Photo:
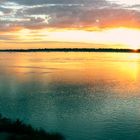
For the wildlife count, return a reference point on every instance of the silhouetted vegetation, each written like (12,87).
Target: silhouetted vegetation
(73,50)
(17,130)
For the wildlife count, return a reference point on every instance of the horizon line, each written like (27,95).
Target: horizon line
(127,50)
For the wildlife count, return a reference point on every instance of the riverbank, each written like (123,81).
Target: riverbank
(17,130)
(74,50)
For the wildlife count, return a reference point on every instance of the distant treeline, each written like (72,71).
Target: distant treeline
(72,50)
(17,130)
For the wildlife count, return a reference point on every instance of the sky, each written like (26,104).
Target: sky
(69,23)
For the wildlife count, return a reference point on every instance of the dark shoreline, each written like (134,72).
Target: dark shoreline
(17,130)
(73,50)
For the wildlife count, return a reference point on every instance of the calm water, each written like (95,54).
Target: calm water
(84,96)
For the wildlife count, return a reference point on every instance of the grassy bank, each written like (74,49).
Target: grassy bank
(17,130)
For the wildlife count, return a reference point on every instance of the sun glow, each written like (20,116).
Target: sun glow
(117,36)
(124,37)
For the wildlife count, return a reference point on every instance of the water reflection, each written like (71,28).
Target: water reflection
(82,95)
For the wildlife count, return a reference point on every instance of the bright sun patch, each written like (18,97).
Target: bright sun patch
(126,2)
(116,36)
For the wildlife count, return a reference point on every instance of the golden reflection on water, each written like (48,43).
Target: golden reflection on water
(120,71)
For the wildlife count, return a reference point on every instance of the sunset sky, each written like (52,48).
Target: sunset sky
(69,23)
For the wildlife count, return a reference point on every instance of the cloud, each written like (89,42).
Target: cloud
(125,2)
(16,14)
(7,38)
(42,2)
(101,18)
